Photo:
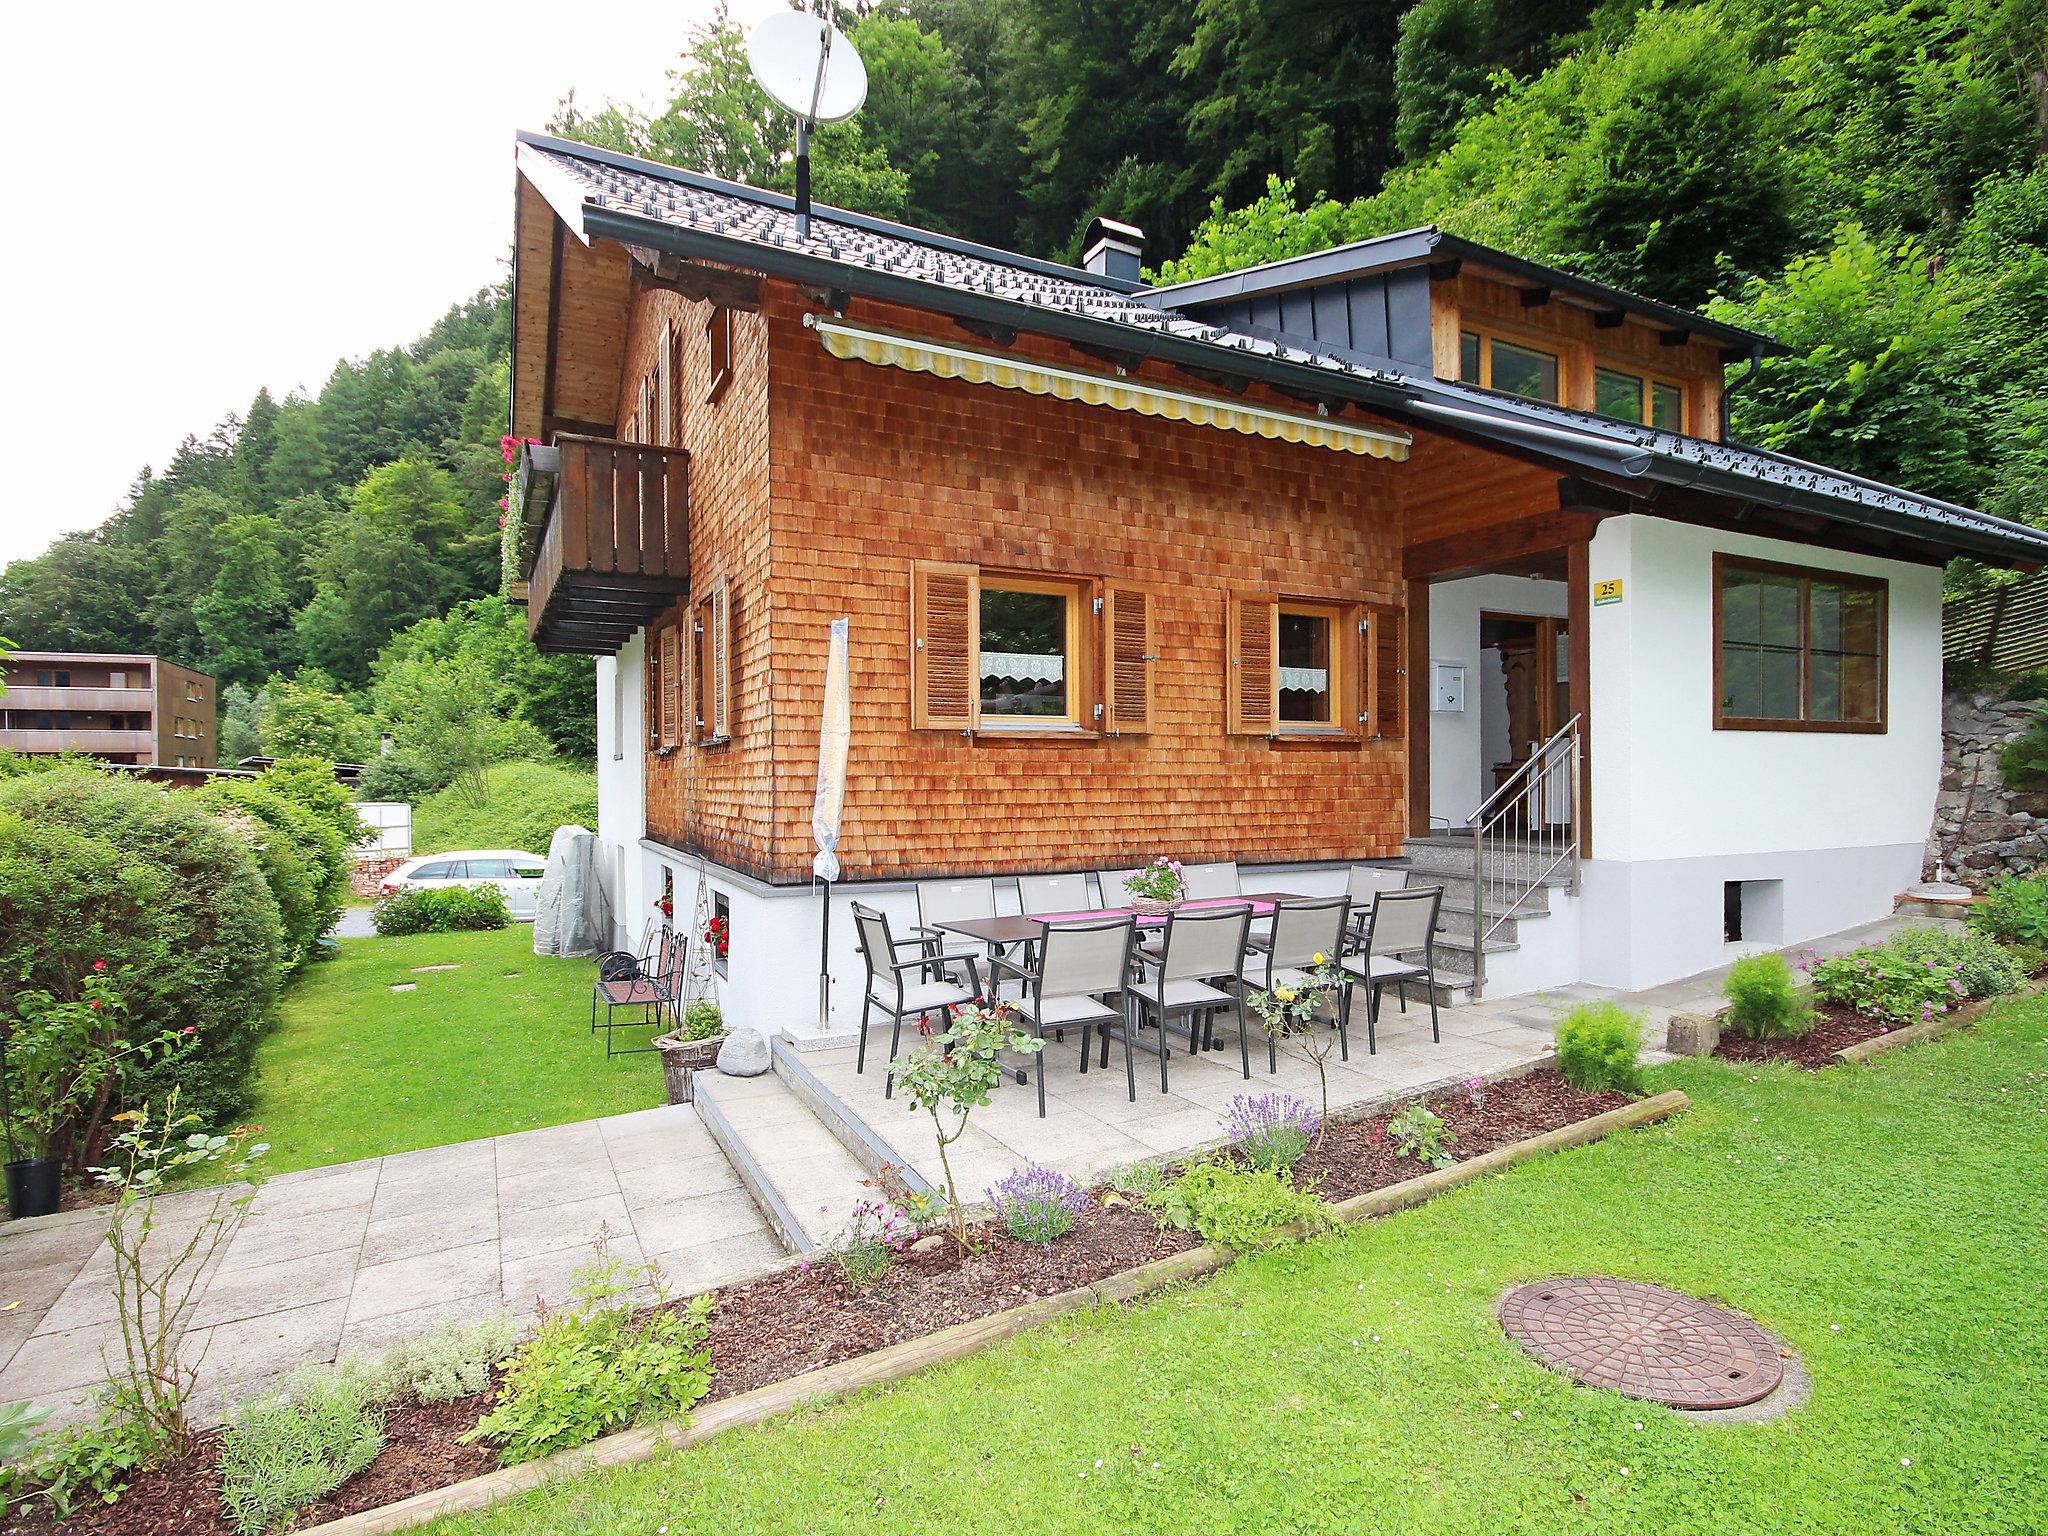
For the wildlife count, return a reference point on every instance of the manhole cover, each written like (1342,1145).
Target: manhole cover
(1644,1341)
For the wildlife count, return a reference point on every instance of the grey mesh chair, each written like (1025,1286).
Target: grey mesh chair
(1401,923)
(943,901)
(1207,882)
(898,997)
(1302,929)
(1364,882)
(1201,947)
(1053,894)
(1110,882)
(1079,964)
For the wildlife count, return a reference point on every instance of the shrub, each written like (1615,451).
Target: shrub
(453,1361)
(310,782)
(281,1452)
(442,909)
(1885,983)
(400,775)
(702,1021)
(600,1364)
(2014,910)
(98,868)
(1985,967)
(2023,761)
(1038,1205)
(1762,1001)
(1419,1132)
(1272,1130)
(1241,1208)
(68,1467)
(1597,1047)
(282,858)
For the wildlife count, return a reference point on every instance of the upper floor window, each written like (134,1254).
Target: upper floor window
(1634,397)
(1494,362)
(1797,650)
(718,338)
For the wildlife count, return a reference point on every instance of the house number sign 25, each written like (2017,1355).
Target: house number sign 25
(1605,592)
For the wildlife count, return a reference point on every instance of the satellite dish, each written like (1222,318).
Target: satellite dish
(803,65)
(806,67)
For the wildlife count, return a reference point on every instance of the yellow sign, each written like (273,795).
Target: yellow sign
(1606,592)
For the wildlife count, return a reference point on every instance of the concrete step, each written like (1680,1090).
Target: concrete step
(793,1164)
(1453,855)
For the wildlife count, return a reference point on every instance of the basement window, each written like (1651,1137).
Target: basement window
(1753,911)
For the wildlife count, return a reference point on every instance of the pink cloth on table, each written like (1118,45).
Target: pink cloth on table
(1259,909)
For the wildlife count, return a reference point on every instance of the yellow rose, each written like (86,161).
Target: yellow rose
(1319,957)
(1285,994)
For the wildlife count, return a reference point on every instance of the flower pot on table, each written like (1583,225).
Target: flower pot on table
(1153,906)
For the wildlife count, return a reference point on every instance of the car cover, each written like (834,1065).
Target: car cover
(573,915)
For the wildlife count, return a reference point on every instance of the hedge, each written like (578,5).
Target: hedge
(96,867)
(304,860)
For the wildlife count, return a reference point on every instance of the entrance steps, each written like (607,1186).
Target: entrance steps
(803,1156)
(1515,880)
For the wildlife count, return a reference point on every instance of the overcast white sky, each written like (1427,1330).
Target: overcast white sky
(207,197)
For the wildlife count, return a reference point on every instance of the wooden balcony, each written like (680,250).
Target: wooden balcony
(120,742)
(136,701)
(604,539)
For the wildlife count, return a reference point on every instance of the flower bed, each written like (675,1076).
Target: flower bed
(801,1317)
(1834,1026)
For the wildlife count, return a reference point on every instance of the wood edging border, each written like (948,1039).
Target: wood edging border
(1933,1029)
(897,1361)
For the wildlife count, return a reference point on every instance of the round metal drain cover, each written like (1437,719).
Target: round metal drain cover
(1644,1341)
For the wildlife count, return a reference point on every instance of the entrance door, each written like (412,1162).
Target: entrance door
(1524,690)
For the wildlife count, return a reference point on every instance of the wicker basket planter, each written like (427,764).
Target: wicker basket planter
(682,1059)
(1152,906)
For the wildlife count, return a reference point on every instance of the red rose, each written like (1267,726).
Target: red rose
(99,965)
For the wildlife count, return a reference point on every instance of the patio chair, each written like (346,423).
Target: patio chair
(629,964)
(1053,893)
(1302,929)
(898,998)
(1079,964)
(942,901)
(659,984)
(1111,883)
(1400,923)
(1364,882)
(1207,882)
(1201,946)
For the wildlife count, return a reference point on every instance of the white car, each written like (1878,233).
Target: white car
(515,873)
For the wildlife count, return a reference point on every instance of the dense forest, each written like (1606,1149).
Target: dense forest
(1864,179)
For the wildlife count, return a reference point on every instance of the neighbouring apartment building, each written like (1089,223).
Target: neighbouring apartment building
(142,710)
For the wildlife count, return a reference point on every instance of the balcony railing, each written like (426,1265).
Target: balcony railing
(126,701)
(13,740)
(604,539)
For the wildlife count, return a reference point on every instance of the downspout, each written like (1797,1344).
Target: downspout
(1743,381)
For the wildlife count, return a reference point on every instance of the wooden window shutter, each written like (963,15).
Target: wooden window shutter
(663,392)
(700,669)
(718,343)
(721,661)
(945,646)
(675,386)
(1386,672)
(1252,646)
(1127,659)
(670,734)
(657,641)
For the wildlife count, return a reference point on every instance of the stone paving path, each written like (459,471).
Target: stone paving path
(363,1254)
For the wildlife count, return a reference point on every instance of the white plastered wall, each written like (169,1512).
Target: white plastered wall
(1679,807)
(622,787)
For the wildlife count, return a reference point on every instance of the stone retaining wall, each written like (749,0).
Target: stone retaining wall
(1988,830)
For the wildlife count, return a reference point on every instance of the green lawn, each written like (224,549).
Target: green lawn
(1888,1222)
(502,1044)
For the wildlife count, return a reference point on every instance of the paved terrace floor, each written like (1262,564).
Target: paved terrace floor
(362,1254)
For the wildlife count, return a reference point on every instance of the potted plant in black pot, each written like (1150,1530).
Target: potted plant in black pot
(691,1047)
(60,1058)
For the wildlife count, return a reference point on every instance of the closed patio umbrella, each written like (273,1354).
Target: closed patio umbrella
(835,726)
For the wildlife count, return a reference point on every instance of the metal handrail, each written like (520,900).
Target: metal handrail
(1538,807)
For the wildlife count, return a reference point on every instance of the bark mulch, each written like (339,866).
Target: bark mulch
(1834,1026)
(800,1319)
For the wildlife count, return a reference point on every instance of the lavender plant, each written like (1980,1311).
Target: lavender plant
(1038,1205)
(1272,1130)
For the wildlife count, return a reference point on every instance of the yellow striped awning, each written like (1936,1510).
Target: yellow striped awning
(922,354)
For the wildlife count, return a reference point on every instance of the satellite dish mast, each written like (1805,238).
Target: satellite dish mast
(805,66)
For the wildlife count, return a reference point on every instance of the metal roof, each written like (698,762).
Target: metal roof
(602,194)
(1427,243)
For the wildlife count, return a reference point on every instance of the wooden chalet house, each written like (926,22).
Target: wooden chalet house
(1407,549)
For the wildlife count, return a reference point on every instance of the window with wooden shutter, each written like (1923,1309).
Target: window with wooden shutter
(1127,660)
(721,661)
(658,639)
(1252,666)
(718,338)
(662,417)
(1386,672)
(675,386)
(671,731)
(945,645)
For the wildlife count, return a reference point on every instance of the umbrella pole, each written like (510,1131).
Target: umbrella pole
(825,964)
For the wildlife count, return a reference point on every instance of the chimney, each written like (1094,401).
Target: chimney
(1113,249)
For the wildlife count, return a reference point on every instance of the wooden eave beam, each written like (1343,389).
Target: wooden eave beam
(1001,335)
(1542,534)
(1445,271)
(1673,338)
(1535,298)
(669,273)
(1116,357)
(1609,319)
(1235,385)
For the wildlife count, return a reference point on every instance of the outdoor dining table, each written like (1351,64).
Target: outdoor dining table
(1029,927)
